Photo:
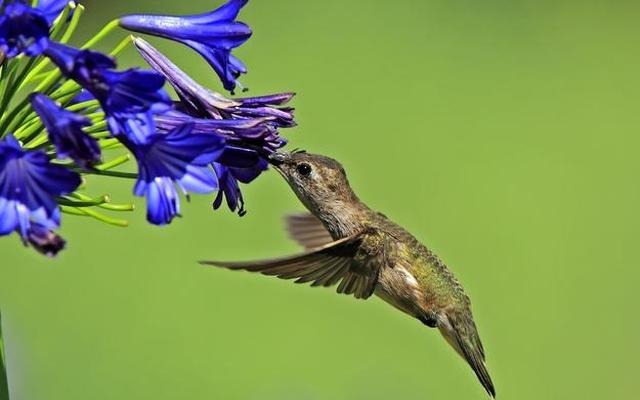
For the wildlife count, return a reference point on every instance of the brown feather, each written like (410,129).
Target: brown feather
(323,266)
(307,230)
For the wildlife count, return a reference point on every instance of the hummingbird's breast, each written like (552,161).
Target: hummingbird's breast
(398,287)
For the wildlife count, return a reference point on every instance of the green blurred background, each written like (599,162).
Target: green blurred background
(502,133)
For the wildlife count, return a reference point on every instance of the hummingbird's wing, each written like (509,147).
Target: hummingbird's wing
(307,230)
(339,261)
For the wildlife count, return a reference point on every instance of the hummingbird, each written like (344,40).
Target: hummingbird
(365,253)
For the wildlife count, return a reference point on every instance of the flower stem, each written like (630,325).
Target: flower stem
(4,386)
(102,34)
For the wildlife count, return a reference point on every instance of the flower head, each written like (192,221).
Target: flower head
(175,158)
(129,98)
(249,125)
(23,29)
(212,34)
(65,131)
(29,184)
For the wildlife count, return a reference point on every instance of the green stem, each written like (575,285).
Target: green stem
(102,34)
(4,385)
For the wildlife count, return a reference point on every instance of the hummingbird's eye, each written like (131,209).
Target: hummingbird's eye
(303,169)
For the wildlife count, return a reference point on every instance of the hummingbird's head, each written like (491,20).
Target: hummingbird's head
(319,182)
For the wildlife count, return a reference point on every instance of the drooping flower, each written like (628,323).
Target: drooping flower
(23,29)
(212,34)
(29,184)
(200,101)
(129,98)
(65,132)
(177,158)
(252,119)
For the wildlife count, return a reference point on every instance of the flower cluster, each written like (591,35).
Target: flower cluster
(81,104)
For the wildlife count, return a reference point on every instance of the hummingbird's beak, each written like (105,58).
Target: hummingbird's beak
(276,159)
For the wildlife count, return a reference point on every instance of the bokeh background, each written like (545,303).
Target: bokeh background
(502,133)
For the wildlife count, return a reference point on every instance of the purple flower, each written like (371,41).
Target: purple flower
(212,34)
(175,158)
(65,131)
(23,29)
(252,121)
(256,134)
(29,184)
(129,98)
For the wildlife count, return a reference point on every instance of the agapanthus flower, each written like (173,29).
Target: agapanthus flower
(212,34)
(249,125)
(177,158)
(65,131)
(23,29)
(29,184)
(253,118)
(129,98)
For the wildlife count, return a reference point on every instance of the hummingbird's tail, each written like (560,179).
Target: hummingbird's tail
(458,328)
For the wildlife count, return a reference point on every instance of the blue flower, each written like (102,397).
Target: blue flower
(212,34)
(132,99)
(80,65)
(65,131)
(129,98)
(23,29)
(29,184)
(176,158)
